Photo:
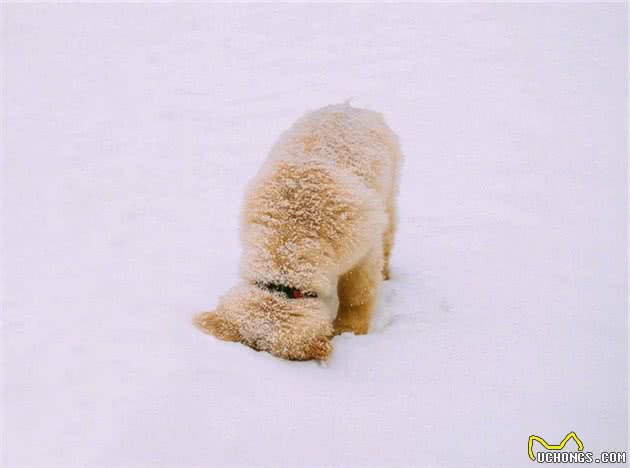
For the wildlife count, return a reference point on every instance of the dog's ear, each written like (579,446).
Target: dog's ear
(215,325)
(320,349)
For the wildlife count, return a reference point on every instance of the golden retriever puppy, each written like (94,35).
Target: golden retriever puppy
(317,229)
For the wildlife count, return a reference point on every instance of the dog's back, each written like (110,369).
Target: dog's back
(352,139)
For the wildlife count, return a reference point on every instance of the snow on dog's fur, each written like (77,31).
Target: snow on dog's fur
(317,230)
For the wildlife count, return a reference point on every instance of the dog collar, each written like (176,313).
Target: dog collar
(291,293)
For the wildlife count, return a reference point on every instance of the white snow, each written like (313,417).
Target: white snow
(129,132)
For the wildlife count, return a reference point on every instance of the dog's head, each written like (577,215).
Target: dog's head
(291,326)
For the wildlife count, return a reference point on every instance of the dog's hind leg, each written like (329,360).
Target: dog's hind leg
(388,236)
(357,291)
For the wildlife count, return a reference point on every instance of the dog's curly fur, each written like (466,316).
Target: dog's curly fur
(319,217)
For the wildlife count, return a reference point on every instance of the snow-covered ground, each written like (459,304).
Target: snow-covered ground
(128,134)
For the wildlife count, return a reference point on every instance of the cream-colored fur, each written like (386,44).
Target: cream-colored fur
(319,217)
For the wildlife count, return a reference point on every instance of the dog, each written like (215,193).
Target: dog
(317,230)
